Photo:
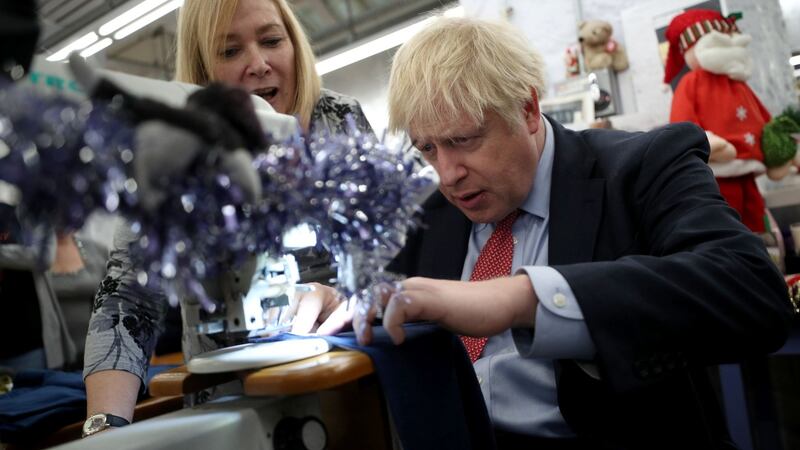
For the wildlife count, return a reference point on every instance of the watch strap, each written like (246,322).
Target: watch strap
(116,421)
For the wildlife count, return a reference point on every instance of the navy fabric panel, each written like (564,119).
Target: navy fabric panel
(430,387)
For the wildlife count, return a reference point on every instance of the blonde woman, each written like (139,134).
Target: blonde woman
(257,45)
(260,46)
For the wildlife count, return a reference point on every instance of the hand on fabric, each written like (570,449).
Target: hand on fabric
(321,311)
(483,308)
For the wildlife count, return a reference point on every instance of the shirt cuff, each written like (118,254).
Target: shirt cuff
(560,331)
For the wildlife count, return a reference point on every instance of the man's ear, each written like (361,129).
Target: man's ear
(532,112)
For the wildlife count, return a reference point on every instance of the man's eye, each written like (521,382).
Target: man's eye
(461,140)
(425,148)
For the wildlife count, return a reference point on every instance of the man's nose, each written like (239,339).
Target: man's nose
(257,62)
(450,168)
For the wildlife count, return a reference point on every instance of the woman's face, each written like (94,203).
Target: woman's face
(258,55)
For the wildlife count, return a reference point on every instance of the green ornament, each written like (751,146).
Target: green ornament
(777,142)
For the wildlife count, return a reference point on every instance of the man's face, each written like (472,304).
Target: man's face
(486,169)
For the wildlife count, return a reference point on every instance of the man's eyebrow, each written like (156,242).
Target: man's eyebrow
(476,131)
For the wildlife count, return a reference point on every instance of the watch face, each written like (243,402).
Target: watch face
(94,424)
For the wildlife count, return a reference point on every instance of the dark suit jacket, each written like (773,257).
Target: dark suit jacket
(668,279)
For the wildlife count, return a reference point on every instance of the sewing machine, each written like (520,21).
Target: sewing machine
(256,295)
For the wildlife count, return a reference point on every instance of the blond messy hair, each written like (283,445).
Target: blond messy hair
(201,28)
(462,65)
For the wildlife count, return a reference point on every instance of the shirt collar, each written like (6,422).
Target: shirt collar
(538,201)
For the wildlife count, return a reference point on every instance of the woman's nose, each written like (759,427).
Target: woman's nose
(257,63)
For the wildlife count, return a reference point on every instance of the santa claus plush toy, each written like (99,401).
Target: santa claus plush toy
(714,95)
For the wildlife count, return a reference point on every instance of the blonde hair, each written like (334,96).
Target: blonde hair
(200,26)
(460,65)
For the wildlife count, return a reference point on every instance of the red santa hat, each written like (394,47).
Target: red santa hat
(686,29)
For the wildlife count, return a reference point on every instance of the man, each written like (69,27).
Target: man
(630,273)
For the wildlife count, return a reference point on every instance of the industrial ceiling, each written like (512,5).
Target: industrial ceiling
(330,24)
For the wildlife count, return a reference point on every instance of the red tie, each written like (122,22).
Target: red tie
(494,261)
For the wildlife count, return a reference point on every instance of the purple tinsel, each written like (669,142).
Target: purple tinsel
(361,196)
(69,158)
(63,158)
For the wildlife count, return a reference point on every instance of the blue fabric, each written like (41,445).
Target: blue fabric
(430,386)
(32,360)
(42,402)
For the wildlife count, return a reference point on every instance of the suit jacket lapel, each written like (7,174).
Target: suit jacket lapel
(576,199)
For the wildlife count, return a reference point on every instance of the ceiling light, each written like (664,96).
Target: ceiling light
(129,16)
(97,47)
(148,19)
(795,60)
(380,44)
(78,44)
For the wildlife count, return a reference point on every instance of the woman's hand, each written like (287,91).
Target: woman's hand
(322,311)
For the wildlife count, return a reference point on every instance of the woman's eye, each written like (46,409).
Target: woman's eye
(271,42)
(230,52)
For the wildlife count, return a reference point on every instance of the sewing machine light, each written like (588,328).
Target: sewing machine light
(301,236)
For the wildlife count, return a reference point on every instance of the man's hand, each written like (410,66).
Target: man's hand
(483,308)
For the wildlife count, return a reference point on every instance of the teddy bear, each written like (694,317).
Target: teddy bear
(599,49)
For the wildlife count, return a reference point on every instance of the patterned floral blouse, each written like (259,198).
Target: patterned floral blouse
(127,317)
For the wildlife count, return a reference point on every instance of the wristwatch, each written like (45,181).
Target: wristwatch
(99,422)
